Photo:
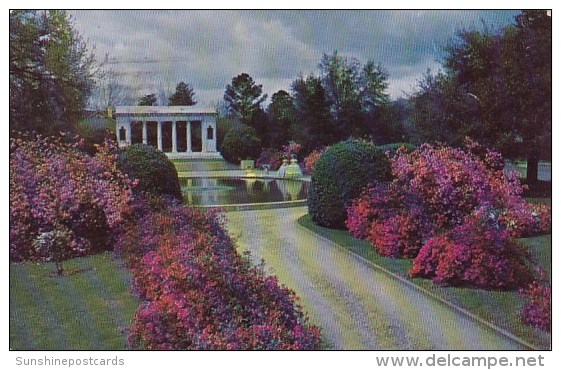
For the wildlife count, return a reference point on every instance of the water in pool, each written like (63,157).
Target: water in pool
(221,191)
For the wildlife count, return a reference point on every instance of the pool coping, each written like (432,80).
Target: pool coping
(252,206)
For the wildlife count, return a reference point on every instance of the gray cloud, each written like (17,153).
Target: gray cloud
(153,50)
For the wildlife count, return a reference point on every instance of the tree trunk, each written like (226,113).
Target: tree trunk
(532,170)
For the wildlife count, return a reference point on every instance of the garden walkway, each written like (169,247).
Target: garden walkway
(356,305)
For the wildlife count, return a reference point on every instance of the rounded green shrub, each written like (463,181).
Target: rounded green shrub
(339,176)
(240,143)
(155,173)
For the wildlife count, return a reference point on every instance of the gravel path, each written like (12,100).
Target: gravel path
(357,306)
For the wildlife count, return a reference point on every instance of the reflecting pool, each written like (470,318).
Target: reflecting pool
(222,191)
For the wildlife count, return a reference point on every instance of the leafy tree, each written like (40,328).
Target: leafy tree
(340,77)
(148,100)
(313,125)
(183,95)
(496,88)
(441,109)
(51,71)
(531,87)
(373,86)
(354,91)
(281,115)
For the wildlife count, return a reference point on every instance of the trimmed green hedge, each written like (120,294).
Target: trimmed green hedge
(240,143)
(339,176)
(155,173)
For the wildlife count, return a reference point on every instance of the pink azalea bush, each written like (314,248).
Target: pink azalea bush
(312,158)
(537,312)
(199,293)
(291,149)
(475,253)
(434,210)
(63,202)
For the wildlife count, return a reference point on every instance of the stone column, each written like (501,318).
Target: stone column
(174,137)
(203,136)
(144,133)
(128,133)
(214,137)
(189,146)
(159,135)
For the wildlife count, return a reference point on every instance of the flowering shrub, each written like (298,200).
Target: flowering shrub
(291,149)
(271,157)
(437,188)
(312,158)
(53,246)
(63,203)
(456,211)
(378,216)
(475,253)
(537,312)
(200,294)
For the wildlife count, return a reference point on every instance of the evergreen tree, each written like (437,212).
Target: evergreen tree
(281,118)
(183,95)
(148,100)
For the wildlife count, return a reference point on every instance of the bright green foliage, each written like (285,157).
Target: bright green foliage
(339,176)
(240,143)
(153,170)
(51,72)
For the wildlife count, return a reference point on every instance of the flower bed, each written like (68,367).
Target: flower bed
(200,294)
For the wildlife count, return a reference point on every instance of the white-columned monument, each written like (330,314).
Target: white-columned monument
(169,128)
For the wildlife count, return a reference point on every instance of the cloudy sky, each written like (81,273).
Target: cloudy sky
(152,51)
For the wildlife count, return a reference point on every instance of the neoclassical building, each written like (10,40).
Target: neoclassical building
(178,131)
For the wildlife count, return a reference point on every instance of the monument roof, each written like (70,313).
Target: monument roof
(176,109)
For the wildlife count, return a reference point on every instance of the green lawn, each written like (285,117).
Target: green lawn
(90,308)
(497,307)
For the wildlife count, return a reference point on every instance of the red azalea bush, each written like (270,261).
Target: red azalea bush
(312,158)
(537,312)
(63,202)
(200,293)
(378,216)
(428,212)
(475,253)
